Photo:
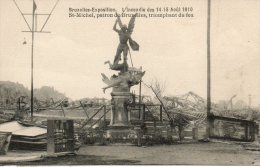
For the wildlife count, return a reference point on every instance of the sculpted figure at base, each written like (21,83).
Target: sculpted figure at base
(124,80)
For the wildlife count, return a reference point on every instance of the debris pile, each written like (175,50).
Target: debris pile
(192,109)
(5,117)
(5,138)
(25,137)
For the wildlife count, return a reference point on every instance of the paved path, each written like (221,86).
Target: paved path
(185,154)
(13,157)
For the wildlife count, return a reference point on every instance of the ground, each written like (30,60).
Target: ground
(211,153)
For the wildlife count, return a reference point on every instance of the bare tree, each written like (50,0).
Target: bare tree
(158,87)
(176,120)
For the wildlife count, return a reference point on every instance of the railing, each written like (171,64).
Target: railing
(144,110)
(154,120)
(103,116)
(84,109)
(102,108)
(160,110)
(142,107)
(162,104)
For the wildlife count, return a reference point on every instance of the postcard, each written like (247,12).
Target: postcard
(120,82)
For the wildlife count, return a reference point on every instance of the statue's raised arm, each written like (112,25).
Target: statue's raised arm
(119,21)
(114,27)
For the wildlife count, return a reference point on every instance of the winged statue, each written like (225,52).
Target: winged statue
(124,34)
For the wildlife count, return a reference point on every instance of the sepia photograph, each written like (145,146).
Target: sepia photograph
(121,82)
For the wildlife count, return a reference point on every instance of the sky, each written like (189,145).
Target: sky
(172,50)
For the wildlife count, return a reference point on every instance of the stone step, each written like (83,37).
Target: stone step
(159,127)
(148,123)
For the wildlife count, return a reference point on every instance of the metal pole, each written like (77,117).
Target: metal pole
(32,30)
(32,64)
(140,94)
(130,57)
(208,72)
(143,112)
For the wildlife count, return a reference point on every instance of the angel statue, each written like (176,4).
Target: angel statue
(124,36)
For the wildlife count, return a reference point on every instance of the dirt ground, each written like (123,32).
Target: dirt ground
(211,153)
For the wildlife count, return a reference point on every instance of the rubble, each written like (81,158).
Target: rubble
(192,108)
(5,138)
(25,137)
(5,117)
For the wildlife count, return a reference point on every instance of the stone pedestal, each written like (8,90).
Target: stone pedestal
(119,127)
(119,112)
(118,132)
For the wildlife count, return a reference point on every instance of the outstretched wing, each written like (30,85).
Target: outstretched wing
(131,24)
(105,79)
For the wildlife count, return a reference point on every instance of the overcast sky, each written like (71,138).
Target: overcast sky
(172,50)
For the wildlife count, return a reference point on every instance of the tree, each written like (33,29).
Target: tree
(240,104)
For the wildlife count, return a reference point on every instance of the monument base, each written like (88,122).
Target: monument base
(121,134)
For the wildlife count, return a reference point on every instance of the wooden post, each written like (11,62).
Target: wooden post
(62,110)
(19,103)
(256,132)
(253,132)
(246,131)
(129,116)
(258,128)
(154,126)
(139,137)
(195,133)
(50,137)
(161,113)
(143,112)
(18,111)
(65,129)
(70,139)
(105,109)
(139,112)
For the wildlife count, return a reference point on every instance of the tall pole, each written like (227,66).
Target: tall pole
(32,62)
(140,97)
(208,72)
(33,30)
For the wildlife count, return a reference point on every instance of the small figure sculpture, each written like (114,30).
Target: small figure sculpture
(126,80)
(124,36)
